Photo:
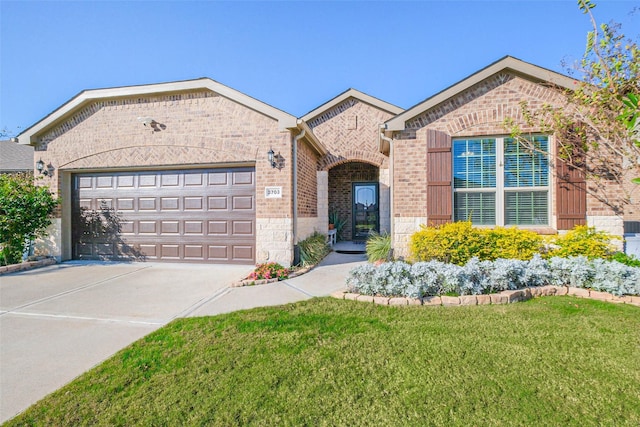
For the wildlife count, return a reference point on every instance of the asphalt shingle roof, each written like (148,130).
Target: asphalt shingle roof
(15,157)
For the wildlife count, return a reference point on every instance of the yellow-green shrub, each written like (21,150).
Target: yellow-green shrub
(512,243)
(583,240)
(458,242)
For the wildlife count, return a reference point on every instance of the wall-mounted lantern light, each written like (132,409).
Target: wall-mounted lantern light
(40,167)
(276,160)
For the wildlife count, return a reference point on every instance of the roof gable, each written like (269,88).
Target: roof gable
(285,120)
(352,93)
(509,63)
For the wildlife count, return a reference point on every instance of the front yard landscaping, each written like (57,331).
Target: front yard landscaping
(547,361)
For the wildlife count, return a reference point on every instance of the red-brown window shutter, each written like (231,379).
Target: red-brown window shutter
(571,196)
(439,170)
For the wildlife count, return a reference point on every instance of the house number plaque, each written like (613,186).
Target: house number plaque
(273,192)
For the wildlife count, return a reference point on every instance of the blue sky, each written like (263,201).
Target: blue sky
(294,55)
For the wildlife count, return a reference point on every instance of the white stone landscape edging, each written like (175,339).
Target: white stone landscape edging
(27,265)
(504,297)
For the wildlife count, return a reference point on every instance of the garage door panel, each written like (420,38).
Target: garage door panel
(146,180)
(193,203)
(105,249)
(169,251)
(127,227)
(242,203)
(84,249)
(126,204)
(85,203)
(242,253)
(218,252)
(108,203)
(218,203)
(242,227)
(125,181)
(169,227)
(148,250)
(169,180)
(104,182)
(85,182)
(194,179)
(218,178)
(169,203)
(194,252)
(193,215)
(194,227)
(218,228)
(147,227)
(147,204)
(240,178)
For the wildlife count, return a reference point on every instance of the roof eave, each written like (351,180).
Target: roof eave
(29,135)
(353,93)
(507,63)
(311,138)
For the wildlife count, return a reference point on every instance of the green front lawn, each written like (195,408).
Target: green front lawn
(548,361)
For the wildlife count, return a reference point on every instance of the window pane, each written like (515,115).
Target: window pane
(474,163)
(526,208)
(479,207)
(525,168)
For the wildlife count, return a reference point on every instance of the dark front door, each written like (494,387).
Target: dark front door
(366,216)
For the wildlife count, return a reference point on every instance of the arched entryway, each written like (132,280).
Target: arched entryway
(354,197)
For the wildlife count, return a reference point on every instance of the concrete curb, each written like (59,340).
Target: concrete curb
(27,265)
(504,297)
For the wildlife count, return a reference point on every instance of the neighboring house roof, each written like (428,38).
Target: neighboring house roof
(15,157)
(352,93)
(284,119)
(507,63)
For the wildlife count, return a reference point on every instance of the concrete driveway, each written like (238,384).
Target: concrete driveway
(60,321)
(57,322)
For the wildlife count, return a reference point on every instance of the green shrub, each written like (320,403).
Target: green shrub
(458,242)
(625,259)
(455,243)
(511,243)
(583,240)
(379,247)
(313,249)
(25,213)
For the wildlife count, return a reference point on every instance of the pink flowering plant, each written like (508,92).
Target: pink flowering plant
(269,270)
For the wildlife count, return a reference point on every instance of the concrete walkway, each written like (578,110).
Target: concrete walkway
(57,322)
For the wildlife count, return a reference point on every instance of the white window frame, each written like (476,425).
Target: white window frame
(500,188)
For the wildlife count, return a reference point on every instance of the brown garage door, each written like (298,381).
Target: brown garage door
(203,215)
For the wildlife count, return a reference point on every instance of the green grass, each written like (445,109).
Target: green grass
(549,361)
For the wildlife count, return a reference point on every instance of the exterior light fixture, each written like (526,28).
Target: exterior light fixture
(41,168)
(270,155)
(147,121)
(276,160)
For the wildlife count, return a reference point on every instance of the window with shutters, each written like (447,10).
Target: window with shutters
(498,181)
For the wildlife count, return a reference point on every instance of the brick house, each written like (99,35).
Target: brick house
(195,171)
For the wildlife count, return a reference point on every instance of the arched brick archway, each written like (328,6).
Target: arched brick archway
(331,160)
(345,178)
